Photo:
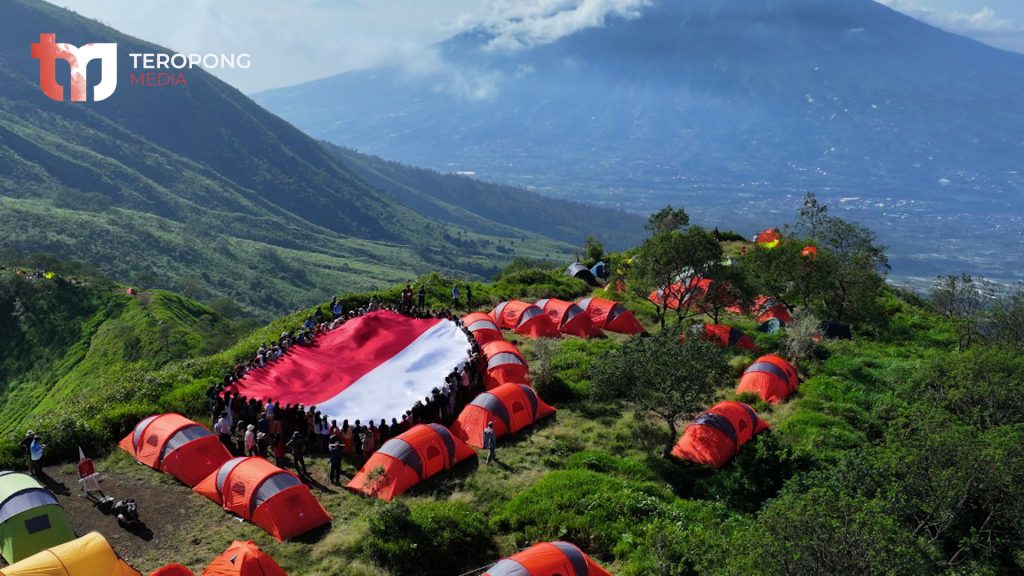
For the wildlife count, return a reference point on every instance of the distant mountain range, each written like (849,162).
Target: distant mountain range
(731,108)
(197,186)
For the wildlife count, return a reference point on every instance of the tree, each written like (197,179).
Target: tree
(1004,320)
(730,288)
(848,258)
(593,250)
(786,275)
(813,216)
(667,219)
(661,377)
(671,261)
(960,299)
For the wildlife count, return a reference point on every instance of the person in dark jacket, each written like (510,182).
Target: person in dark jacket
(489,442)
(335,452)
(297,445)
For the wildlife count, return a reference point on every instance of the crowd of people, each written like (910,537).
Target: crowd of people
(290,432)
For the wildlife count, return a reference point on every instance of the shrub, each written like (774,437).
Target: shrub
(428,537)
(591,509)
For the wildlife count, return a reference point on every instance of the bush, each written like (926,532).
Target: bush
(591,509)
(428,537)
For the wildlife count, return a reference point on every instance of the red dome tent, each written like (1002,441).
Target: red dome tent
(612,316)
(408,459)
(482,327)
(811,252)
(269,497)
(771,377)
(767,308)
(548,559)
(243,559)
(505,364)
(569,317)
(725,336)
(511,407)
(524,319)
(176,445)
(718,434)
(769,238)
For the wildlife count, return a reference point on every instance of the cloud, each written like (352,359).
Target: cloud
(985,24)
(518,24)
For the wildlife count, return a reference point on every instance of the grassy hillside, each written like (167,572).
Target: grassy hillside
(876,442)
(63,341)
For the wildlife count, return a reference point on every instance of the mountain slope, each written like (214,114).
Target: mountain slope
(717,104)
(63,340)
(487,208)
(198,185)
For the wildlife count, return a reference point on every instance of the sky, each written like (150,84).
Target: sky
(300,40)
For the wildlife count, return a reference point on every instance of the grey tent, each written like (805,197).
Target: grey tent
(578,270)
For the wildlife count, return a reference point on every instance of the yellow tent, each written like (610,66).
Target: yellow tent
(90,555)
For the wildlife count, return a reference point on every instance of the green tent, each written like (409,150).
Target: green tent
(31,520)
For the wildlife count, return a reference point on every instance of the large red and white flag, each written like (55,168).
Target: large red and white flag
(372,367)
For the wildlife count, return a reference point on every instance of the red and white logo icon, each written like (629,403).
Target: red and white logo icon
(48,51)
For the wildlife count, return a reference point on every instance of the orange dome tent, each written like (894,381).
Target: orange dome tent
(767,308)
(176,445)
(243,559)
(569,317)
(482,327)
(725,336)
(548,559)
(408,459)
(172,570)
(524,319)
(771,377)
(612,316)
(718,434)
(769,238)
(811,252)
(269,497)
(511,407)
(505,363)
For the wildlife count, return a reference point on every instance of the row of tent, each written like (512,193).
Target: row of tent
(92,555)
(551,318)
(717,435)
(704,294)
(426,450)
(252,488)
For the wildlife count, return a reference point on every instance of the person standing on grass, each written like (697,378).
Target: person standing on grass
(250,440)
(298,447)
(223,430)
(455,297)
(490,442)
(422,300)
(335,451)
(469,297)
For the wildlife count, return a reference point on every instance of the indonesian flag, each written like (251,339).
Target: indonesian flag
(372,367)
